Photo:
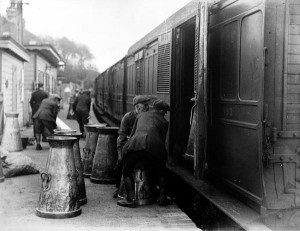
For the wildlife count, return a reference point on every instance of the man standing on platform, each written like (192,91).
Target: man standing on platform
(147,145)
(45,117)
(81,107)
(36,99)
(141,104)
(72,99)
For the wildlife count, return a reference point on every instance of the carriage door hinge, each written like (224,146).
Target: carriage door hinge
(267,147)
(267,153)
(269,140)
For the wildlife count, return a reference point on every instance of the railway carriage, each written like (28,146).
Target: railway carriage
(230,70)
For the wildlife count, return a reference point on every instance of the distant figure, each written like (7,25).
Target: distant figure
(81,107)
(45,117)
(140,103)
(71,114)
(36,99)
(147,144)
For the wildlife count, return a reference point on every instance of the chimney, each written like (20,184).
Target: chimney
(20,21)
(15,16)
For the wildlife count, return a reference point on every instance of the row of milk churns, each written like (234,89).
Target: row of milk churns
(63,187)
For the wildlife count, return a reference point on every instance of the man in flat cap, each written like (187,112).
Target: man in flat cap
(141,104)
(147,144)
(45,117)
(81,108)
(36,99)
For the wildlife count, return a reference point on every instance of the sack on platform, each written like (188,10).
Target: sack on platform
(17,164)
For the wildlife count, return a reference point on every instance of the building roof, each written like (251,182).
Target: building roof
(8,44)
(47,51)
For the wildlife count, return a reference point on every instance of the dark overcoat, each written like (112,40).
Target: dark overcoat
(82,103)
(47,111)
(126,126)
(36,99)
(149,134)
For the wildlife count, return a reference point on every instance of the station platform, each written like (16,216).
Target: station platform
(19,197)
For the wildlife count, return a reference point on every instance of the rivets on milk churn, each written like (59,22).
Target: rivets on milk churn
(11,140)
(1,172)
(90,147)
(78,164)
(59,196)
(106,156)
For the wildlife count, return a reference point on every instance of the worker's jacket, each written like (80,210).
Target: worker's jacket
(36,100)
(126,128)
(47,111)
(149,134)
(82,104)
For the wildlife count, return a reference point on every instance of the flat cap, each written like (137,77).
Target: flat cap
(140,99)
(161,105)
(55,96)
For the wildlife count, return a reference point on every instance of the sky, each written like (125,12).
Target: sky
(107,27)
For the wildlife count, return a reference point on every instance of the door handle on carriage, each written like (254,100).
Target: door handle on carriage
(194,99)
(265,113)
(265,56)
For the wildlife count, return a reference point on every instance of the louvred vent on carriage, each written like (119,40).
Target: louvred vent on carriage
(164,63)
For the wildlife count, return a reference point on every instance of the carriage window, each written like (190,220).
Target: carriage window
(251,57)
(229,61)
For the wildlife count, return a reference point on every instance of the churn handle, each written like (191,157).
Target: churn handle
(192,109)
(46,178)
(86,152)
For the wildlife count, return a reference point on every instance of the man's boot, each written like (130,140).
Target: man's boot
(129,200)
(38,141)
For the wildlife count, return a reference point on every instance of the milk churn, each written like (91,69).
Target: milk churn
(78,164)
(1,172)
(144,188)
(11,140)
(59,197)
(90,147)
(106,156)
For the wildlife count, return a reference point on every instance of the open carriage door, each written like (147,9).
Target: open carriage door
(199,113)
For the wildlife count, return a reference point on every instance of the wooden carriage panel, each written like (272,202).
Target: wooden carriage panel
(236,86)
(130,85)
(291,111)
(150,69)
